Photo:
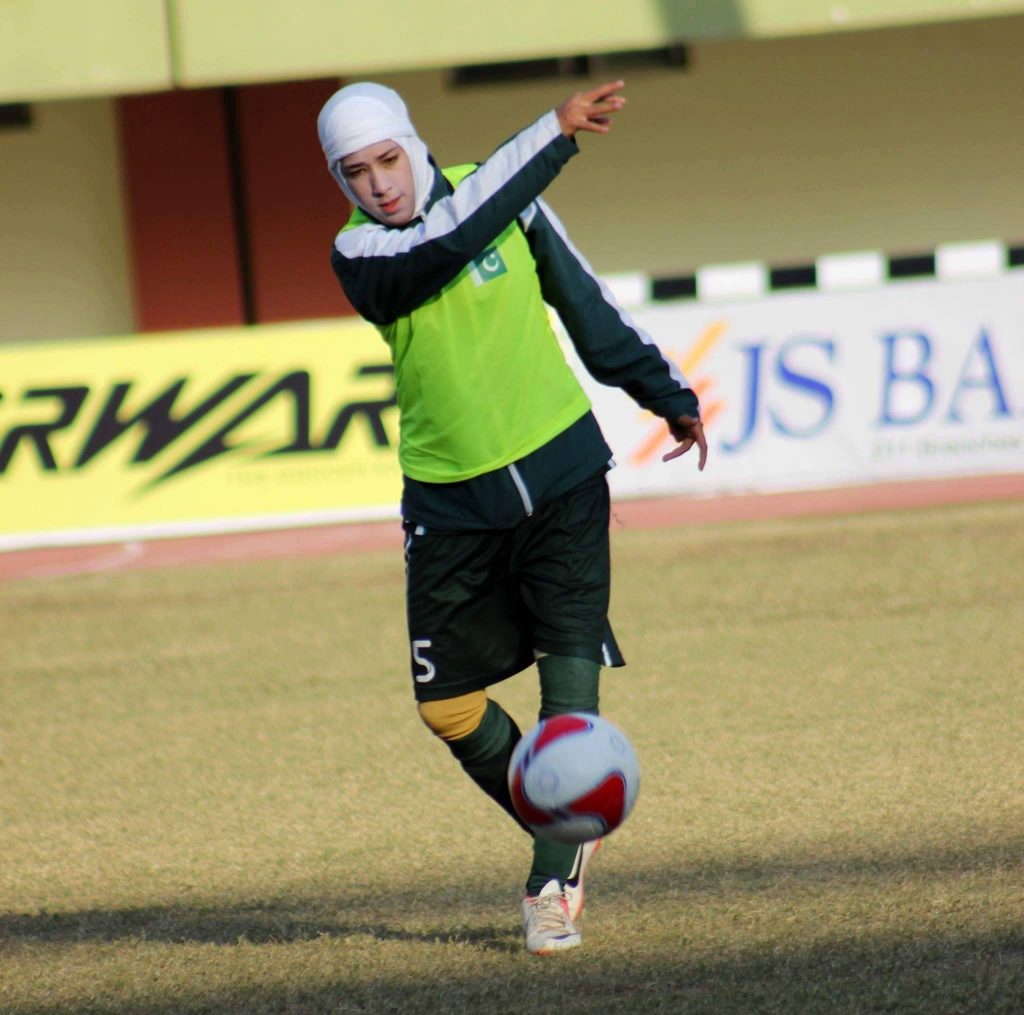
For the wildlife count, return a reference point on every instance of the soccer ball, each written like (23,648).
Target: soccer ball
(574,777)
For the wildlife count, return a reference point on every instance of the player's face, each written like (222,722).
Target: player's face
(380,176)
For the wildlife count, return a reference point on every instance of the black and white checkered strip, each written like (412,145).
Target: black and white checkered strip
(830,273)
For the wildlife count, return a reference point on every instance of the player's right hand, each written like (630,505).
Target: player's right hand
(591,110)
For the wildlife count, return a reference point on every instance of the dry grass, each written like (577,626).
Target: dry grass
(215,795)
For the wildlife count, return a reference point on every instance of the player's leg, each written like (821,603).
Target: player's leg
(568,684)
(464,630)
(563,561)
(481,736)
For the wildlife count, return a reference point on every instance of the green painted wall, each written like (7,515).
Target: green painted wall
(778,149)
(250,40)
(63,257)
(75,48)
(69,48)
(763,149)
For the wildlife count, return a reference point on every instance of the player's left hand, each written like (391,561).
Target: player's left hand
(687,430)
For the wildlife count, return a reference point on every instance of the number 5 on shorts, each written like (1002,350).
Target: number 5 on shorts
(429,670)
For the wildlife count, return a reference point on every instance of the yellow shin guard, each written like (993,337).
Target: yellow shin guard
(454,718)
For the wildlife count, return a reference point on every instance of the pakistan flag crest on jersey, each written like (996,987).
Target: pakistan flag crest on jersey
(487,267)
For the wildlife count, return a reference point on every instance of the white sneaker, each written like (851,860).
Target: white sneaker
(573,888)
(546,921)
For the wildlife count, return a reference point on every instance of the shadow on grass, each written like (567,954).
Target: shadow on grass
(379,915)
(270,923)
(930,975)
(956,971)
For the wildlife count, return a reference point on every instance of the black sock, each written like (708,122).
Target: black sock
(567,684)
(485,754)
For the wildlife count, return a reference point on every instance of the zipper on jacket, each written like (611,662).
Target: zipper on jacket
(524,494)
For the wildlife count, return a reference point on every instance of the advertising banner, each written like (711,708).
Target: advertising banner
(196,431)
(910,381)
(212,431)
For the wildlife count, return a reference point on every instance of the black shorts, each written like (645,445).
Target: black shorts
(480,604)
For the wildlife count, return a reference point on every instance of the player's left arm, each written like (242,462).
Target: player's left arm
(610,344)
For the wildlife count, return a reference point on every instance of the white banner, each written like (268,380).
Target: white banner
(914,380)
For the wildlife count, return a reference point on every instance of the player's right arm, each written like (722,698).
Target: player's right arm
(388,272)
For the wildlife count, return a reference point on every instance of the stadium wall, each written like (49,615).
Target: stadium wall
(777,150)
(64,263)
(52,49)
(781,150)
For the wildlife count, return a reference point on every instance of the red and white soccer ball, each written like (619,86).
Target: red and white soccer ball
(574,777)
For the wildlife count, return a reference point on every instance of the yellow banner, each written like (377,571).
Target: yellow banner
(165,433)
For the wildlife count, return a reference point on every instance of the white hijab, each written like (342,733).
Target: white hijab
(363,114)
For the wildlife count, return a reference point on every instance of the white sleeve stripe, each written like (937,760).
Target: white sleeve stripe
(527,216)
(446,215)
(674,372)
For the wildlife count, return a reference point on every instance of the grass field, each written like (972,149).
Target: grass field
(215,794)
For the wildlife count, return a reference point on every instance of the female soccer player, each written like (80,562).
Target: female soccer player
(505,500)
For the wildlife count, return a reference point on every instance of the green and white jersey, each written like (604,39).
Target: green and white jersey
(480,377)
(459,297)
